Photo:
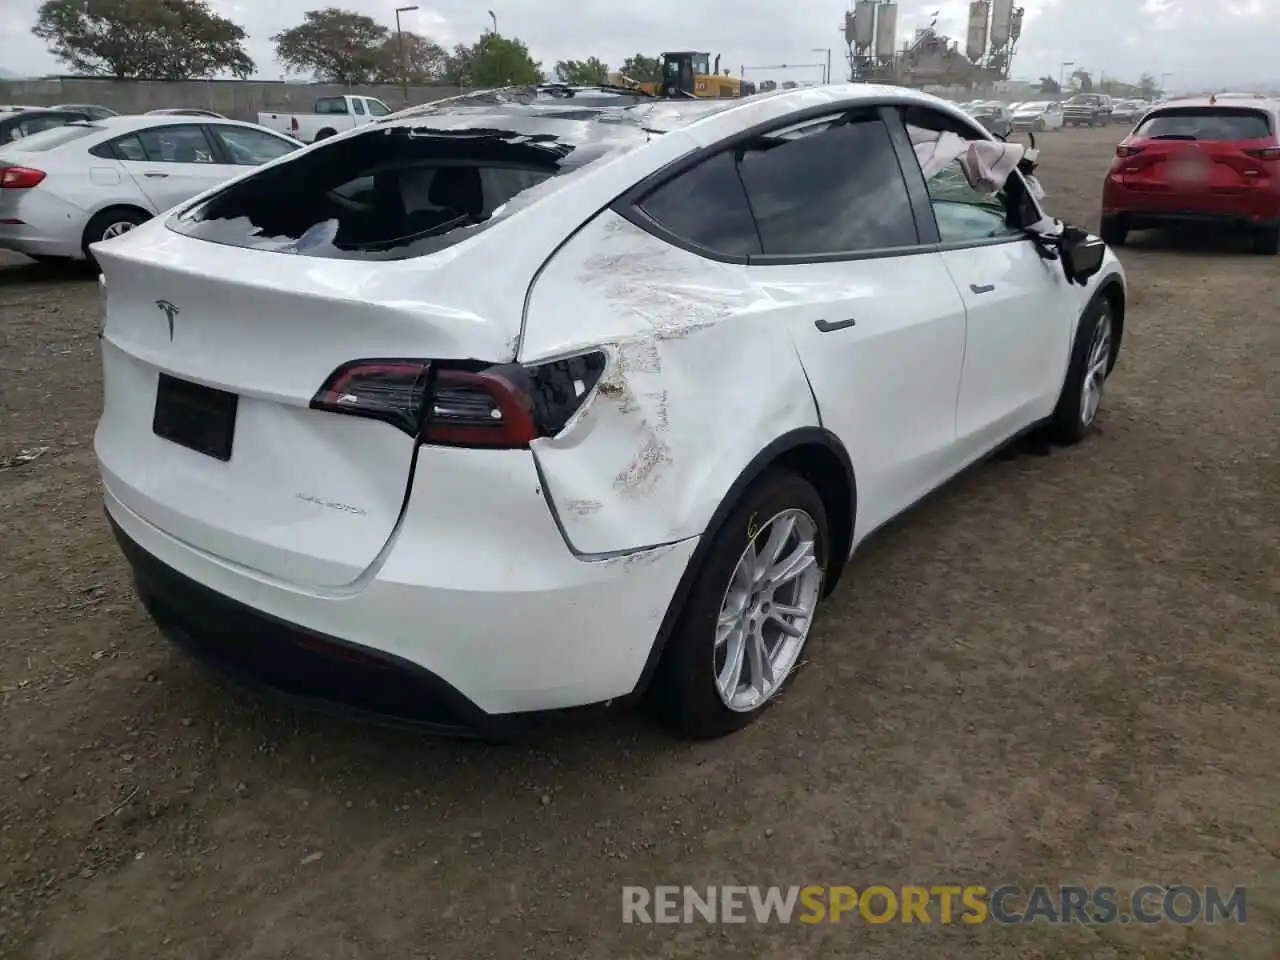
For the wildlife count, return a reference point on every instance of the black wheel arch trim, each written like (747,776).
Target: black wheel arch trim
(838,552)
(1111,282)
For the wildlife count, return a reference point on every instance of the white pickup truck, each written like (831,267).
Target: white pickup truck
(329,115)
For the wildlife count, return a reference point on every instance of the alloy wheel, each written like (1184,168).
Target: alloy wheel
(1096,368)
(767,610)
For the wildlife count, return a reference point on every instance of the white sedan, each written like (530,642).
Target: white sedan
(480,412)
(64,189)
(1038,115)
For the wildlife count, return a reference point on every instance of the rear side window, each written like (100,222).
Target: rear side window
(393,193)
(358,107)
(1206,123)
(707,206)
(331,105)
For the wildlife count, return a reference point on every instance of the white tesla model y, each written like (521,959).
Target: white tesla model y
(491,410)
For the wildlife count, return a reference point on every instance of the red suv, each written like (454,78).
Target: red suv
(1198,162)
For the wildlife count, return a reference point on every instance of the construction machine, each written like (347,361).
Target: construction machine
(690,74)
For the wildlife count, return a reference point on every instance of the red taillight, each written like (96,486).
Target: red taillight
(462,404)
(19,178)
(1126,151)
(1265,153)
(293,124)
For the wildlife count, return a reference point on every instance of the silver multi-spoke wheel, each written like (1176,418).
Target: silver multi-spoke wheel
(116,229)
(767,610)
(1096,368)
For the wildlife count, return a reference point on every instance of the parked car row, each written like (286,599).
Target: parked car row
(68,181)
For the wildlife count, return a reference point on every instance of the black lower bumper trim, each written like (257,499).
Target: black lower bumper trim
(307,668)
(1150,220)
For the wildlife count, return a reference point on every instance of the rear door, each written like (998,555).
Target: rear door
(1209,159)
(875,318)
(172,163)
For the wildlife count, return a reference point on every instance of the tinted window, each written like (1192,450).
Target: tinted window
(832,186)
(1206,123)
(36,123)
(358,107)
(378,109)
(176,145)
(707,206)
(251,147)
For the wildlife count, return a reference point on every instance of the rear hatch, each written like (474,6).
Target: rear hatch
(221,331)
(1210,159)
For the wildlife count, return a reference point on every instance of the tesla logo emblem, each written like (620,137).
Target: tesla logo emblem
(170,311)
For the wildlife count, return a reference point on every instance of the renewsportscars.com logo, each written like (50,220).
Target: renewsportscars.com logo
(945,904)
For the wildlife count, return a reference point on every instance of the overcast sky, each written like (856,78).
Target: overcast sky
(1217,43)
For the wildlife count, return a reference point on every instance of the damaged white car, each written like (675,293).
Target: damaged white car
(477,414)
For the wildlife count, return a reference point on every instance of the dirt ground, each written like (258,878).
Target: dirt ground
(1060,669)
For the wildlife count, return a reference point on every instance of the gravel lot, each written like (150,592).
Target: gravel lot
(1061,669)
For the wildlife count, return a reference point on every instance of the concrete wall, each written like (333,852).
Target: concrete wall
(240,100)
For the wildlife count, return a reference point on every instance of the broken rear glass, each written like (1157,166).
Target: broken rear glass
(396,192)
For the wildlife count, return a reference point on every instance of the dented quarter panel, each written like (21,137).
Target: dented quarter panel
(653,452)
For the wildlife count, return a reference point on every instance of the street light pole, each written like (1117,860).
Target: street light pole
(1062,73)
(826,72)
(494,17)
(404,63)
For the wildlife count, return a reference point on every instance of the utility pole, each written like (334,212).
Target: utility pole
(404,62)
(826,73)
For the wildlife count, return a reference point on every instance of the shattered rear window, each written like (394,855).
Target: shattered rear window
(394,192)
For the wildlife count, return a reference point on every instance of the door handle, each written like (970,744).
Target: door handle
(153,173)
(981,288)
(827,326)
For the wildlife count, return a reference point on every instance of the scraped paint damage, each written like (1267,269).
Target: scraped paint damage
(661,460)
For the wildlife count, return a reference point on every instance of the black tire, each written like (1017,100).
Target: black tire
(1266,240)
(1068,424)
(324,134)
(1038,125)
(1113,231)
(99,225)
(685,690)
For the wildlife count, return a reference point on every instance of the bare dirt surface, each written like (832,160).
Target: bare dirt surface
(1060,669)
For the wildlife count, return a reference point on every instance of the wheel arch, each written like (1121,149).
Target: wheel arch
(107,208)
(814,453)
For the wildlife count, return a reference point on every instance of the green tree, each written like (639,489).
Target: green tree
(419,61)
(589,71)
(643,69)
(339,46)
(1148,88)
(492,61)
(143,39)
(1050,85)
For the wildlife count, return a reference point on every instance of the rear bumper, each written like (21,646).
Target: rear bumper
(49,226)
(1146,208)
(488,651)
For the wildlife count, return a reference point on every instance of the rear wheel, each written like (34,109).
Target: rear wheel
(109,223)
(744,626)
(324,134)
(1113,231)
(1266,240)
